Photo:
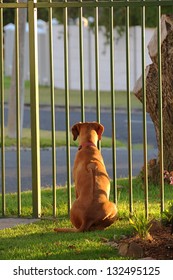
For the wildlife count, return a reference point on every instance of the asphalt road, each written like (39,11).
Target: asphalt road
(120,117)
(46,158)
(46,169)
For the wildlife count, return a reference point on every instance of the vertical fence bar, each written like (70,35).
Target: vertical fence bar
(2,112)
(112,71)
(17,108)
(34,92)
(144,110)
(66,68)
(81,62)
(97,65)
(129,112)
(52,110)
(160,106)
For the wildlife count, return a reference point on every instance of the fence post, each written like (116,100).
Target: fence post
(34,95)
(2,128)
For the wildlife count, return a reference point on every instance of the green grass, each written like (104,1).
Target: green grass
(90,97)
(38,240)
(60,136)
(46,140)
(60,140)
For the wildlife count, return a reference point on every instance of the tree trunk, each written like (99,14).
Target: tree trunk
(167,94)
(11,130)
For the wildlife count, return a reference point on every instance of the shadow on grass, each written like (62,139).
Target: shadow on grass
(38,241)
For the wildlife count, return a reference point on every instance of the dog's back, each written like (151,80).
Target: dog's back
(89,172)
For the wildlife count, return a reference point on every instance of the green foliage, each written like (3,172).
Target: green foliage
(141,225)
(169,211)
(119,15)
(168,214)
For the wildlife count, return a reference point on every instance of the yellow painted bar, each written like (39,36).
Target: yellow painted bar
(144,111)
(81,63)
(160,107)
(112,75)
(34,95)
(67,106)
(52,93)
(129,112)
(2,113)
(17,109)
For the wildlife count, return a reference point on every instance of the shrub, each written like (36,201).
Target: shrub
(141,225)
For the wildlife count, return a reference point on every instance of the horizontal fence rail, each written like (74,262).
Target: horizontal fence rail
(37,170)
(91,4)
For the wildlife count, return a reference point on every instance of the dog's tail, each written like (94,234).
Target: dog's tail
(85,226)
(66,230)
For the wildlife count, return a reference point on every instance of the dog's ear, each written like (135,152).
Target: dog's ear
(75,131)
(100,130)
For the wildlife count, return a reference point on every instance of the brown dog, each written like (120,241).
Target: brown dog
(92,209)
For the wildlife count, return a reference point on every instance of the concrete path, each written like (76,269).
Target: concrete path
(11,222)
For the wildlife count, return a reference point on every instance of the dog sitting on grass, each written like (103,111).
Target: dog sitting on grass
(92,209)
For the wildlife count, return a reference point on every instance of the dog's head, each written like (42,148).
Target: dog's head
(99,128)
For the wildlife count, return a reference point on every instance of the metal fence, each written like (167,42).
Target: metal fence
(111,6)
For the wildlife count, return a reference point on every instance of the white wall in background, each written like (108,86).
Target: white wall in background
(74,56)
